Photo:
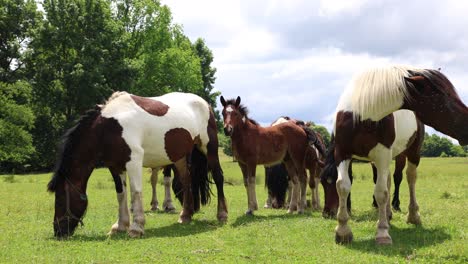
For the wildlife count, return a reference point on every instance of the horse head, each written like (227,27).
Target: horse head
(233,115)
(434,100)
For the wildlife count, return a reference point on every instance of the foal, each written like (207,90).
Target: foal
(254,145)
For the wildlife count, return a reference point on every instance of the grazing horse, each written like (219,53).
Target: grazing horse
(329,176)
(253,144)
(130,132)
(276,177)
(363,128)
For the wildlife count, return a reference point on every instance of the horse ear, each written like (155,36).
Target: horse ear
(414,79)
(223,102)
(238,100)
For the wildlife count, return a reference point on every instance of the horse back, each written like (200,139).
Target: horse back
(164,128)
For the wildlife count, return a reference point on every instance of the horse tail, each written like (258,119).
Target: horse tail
(329,171)
(200,179)
(313,140)
(176,183)
(67,146)
(276,181)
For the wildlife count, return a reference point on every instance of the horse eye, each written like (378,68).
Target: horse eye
(329,180)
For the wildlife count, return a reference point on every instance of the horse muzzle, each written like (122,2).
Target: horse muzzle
(228,130)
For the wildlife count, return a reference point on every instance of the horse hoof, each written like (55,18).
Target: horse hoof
(343,239)
(154,208)
(135,232)
(267,206)
(249,212)
(170,210)
(184,219)
(383,240)
(223,217)
(397,209)
(415,220)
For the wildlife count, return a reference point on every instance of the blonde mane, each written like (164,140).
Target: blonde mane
(377,92)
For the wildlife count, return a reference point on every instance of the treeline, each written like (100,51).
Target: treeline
(59,60)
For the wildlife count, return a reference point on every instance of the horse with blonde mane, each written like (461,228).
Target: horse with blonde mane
(364,128)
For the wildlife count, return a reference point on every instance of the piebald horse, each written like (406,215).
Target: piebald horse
(363,128)
(254,145)
(276,177)
(409,136)
(130,132)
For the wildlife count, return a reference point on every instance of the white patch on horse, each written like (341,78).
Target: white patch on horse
(279,121)
(229,109)
(405,127)
(377,92)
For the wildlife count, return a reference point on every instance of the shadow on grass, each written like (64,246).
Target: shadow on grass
(247,219)
(405,241)
(173,230)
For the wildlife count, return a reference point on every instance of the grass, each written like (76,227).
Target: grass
(26,213)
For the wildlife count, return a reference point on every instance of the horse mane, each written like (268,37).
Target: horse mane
(243,110)
(68,143)
(114,96)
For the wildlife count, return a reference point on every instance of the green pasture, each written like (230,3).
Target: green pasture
(271,236)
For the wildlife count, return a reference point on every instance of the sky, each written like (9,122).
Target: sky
(295,57)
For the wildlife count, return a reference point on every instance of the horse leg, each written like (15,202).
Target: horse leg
(167,203)
(343,233)
(374,177)
(382,157)
(268,200)
(314,180)
(186,180)
(296,188)
(413,214)
(303,197)
(400,162)
(290,190)
(218,177)
(154,197)
(123,220)
(134,170)
(251,188)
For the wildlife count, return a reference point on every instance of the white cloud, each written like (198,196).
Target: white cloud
(295,57)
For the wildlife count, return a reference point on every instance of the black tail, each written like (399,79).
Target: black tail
(313,140)
(200,180)
(201,191)
(276,180)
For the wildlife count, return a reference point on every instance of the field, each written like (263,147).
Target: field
(26,213)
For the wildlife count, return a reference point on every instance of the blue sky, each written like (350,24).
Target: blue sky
(295,57)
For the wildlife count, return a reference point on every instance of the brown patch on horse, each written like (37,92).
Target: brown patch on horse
(359,138)
(151,106)
(115,151)
(177,142)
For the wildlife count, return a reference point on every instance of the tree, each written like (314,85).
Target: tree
(17,20)
(208,77)
(435,146)
(76,60)
(16,120)
(323,132)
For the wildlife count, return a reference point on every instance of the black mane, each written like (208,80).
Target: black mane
(243,110)
(68,143)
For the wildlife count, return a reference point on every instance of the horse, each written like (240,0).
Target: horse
(252,144)
(363,127)
(127,133)
(276,177)
(328,181)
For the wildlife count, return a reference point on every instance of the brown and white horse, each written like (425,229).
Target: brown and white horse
(130,132)
(276,177)
(364,128)
(254,145)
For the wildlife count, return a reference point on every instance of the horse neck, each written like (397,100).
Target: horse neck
(242,133)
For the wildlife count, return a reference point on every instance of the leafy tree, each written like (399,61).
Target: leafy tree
(16,120)
(225,144)
(18,18)
(435,146)
(323,132)
(76,60)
